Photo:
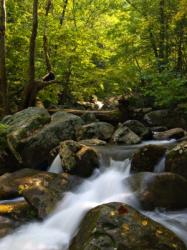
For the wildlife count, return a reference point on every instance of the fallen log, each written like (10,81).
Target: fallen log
(111,116)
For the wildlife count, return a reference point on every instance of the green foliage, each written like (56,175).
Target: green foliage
(166,88)
(103,47)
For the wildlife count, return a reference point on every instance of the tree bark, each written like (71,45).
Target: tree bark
(45,39)
(63,12)
(31,87)
(3,77)
(162,39)
(180,33)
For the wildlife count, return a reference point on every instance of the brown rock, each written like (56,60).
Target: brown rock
(147,157)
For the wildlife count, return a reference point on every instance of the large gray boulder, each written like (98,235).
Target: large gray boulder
(123,135)
(32,148)
(17,127)
(78,159)
(119,226)
(139,129)
(96,130)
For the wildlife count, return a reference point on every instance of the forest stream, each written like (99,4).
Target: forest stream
(108,184)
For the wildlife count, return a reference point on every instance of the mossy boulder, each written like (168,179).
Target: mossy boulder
(176,159)
(138,128)
(44,194)
(124,135)
(96,130)
(119,226)
(146,158)
(164,190)
(78,159)
(23,125)
(34,134)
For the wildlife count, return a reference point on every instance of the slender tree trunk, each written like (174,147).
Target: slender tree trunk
(31,88)
(162,39)
(63,12)
(45,39)
(180,33)
(3,78)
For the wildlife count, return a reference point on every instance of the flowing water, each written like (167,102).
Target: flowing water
(106,185)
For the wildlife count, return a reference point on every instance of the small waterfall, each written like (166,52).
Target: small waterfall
(160,167)
(56,166)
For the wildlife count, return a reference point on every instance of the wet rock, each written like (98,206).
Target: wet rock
(123,135)
(119,226)
(20,211)
(176,159)
(7,226)
(42,190)
(146,158)
(139,129)
(164,190)
(12,184)
(44,195)
(34,150)
(96,130)
(78,159)
(175,133)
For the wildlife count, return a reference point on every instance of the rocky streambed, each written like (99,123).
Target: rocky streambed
(109,187)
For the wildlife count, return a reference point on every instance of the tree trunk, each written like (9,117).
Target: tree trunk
(162,39)
(3,78)
(63,12)
(30,90)
(180,34)
(45,39)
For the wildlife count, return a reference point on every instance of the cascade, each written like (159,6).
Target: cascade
(106,185)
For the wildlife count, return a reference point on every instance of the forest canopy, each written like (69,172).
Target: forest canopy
(129,47)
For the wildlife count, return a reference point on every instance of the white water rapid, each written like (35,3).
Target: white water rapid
(106,185)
